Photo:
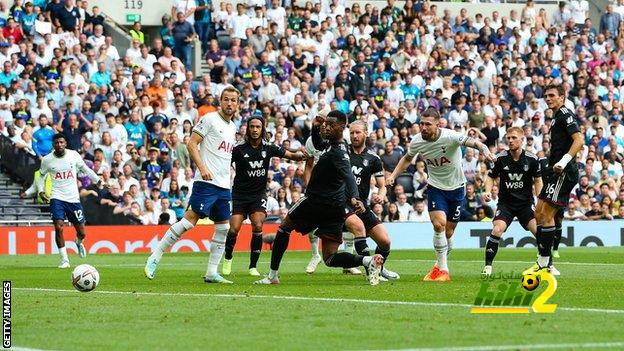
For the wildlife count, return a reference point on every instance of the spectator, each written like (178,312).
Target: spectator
(393,213)
(183,35)
(419,213)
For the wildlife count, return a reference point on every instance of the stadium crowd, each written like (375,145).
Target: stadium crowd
(131,113)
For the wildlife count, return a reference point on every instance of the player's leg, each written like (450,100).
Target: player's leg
(280,244)
(59,213)
(76,217)
(380,235)
(440,245)
(355,231)
(220,214)
(257,219)
(236,221)
(316,253)
(558,232)
(333,258)
(491,246)
(545,217)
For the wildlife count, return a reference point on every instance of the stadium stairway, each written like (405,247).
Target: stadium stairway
(16,211)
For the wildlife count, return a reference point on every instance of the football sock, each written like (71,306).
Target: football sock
(440,244)
(217,246)
(63,253)
(348,242)
(172,235)
(79,240)
(491,248)
(230,241)
(450,245)
(544,244)
(314,243)
(383,253)
(557,237)
(344,260)
(361,246)
(256,248)
(280,244)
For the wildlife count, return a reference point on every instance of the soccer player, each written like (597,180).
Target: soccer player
(210,148)
(365,164)
(323,206)
(63,166)
(518,172)
(441,149)
(560,178)
(252,158)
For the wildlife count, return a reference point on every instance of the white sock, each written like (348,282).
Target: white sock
(314,242)
(349,246)
(542,261)
(63,252)
(450,245)
(440,244)
(217,246)
(366,260)
(173,234)
(79,241)
(273,274)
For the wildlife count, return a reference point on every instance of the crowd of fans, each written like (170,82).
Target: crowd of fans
(131,113)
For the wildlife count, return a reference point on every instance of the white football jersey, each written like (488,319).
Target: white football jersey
(64,171)
(443,158)
(215,149)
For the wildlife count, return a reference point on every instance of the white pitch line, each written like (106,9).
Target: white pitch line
(19,348)
(517,347)
(306,298)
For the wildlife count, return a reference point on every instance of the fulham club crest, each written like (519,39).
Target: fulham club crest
(365,163)
(526,168)
(263,153)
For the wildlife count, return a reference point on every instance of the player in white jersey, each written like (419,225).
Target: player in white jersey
(210,148)
(441,149)
(63,166)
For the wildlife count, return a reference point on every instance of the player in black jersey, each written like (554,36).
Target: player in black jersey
(365,165)
(560,176)
(331,186)
(558,229)
(518,172)
(252,158)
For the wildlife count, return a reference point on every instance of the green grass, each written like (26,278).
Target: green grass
(178,311)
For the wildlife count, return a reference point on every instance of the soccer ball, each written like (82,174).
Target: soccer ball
(85,278)
(530,282)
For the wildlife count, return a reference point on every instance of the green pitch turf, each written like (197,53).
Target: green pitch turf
(323,311)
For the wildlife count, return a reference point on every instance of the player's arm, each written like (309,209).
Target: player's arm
(317,140)
(40,182)
(341,160)
(295,156)
(380,182)
(197,136)
(405,161)
(82,167)
(307,171)
(538,184)
(577,145)
(481,147)
(493,177)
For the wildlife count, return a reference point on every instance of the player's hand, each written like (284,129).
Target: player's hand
(376,199)
(487,197)
(390,180)
(22,195)
(44,197)
(304,154)
(490,156)
(557,168)
(358,206)
(318,121)
(205,174)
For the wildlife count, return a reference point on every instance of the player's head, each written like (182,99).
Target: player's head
(514,137)
(358,131)
(429,120)
(334,125)
(229,101)
(554,95)
(255,129)
(59,143)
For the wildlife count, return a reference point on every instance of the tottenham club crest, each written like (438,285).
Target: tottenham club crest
(365,163)
(263,153)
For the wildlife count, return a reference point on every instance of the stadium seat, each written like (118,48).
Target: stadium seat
(406,180)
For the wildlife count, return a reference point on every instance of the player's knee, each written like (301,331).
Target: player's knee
(439,227)
(221,231)
(255,227)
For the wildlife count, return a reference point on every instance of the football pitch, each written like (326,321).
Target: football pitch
(326,310)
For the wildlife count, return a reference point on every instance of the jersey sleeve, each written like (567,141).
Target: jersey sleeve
(202,127)
(82,167)
(413,149)
(343,166)
(276,151)
(537,169)
(458,138)
(377,167)
(317,140)
(570,122)
(495,168)
(236,155)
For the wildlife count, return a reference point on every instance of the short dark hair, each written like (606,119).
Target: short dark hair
(58,136)
(558,87)
(339,115)
(431,112)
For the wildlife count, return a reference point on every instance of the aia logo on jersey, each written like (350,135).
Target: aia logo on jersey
(225,147)
(438,163)
(64,175)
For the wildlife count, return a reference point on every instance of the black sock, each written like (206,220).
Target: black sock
(344,260)
(256,248)
(361,246)
(557,238)
(491,248)
(230,241)
(383,253)
(280,244)
(544,240)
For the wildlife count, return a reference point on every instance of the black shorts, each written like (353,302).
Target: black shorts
(507,214)
(307,215)
(368,218)
(557,187)
(249,206)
